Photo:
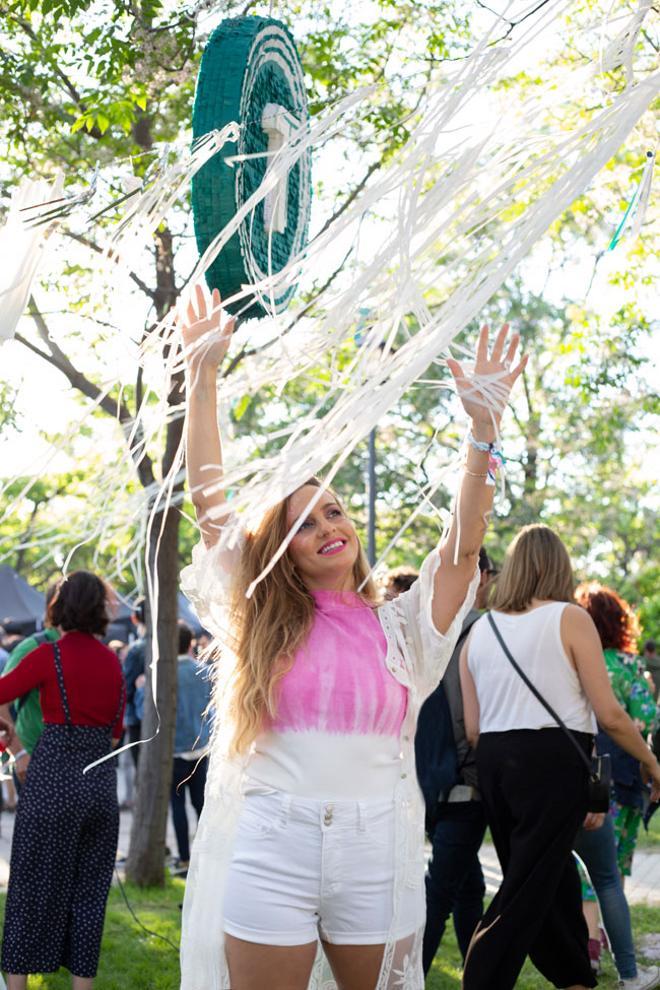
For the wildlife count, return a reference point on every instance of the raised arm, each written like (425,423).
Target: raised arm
(459,552)
(206,333)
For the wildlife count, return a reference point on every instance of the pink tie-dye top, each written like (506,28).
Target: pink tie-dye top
(339,682)
(340,710)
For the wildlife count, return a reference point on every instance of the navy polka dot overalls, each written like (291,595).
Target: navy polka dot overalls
(64,849)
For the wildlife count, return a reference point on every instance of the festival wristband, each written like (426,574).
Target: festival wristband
(495,457)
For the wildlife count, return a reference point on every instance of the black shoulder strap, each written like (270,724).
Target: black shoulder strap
(60,681)
(537,694)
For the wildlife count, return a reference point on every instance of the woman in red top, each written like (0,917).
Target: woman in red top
(67,822)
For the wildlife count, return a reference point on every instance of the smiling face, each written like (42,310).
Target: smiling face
(326,546)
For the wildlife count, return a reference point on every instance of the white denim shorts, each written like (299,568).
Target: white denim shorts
(304,869)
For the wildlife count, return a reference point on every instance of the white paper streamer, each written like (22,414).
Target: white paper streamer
(22,249)
(477,184)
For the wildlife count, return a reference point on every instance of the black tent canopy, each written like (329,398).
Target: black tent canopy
(21,606)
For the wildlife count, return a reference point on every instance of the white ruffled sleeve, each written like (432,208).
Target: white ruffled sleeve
(429,650)
(207,580)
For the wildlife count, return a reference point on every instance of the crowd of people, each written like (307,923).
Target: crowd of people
(327,695)
(339,727)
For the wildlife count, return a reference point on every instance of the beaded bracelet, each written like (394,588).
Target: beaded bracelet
(482,445)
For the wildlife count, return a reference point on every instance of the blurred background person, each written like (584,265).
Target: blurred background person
(4,654)
(398,580)
(26,709)
(133,668)
(603,893)
(455,817)
(191,738)
(67,822)
(652,664)
(125,764)
(618,630)
(201,644)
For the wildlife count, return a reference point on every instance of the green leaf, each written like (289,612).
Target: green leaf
(241,407)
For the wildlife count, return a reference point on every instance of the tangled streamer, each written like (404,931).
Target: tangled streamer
(476,185)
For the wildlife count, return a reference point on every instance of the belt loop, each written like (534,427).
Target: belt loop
(362,821)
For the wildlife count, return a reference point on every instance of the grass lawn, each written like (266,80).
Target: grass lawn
(132,960)
(650,839)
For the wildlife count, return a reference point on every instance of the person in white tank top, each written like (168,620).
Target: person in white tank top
(533,782)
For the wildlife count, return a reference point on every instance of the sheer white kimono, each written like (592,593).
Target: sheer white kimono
(417,656)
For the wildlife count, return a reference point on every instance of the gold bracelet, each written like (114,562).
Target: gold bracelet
(473,474)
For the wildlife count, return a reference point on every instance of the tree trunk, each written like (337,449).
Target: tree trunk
(146,858)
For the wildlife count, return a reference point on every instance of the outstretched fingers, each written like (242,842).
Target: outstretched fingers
(511,350)
(456,369)
(498,346)
(482,345)
(518,370)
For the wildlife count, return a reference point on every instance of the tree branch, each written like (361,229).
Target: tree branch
(56,357)
(81,239)
(55,68)
(352,196)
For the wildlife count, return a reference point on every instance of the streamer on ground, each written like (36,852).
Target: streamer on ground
(251,73)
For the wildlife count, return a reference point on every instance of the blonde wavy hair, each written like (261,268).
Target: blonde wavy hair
(269,626)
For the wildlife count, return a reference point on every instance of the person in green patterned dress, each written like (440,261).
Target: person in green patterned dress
(619,630)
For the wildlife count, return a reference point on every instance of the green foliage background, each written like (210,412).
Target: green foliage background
(86,81)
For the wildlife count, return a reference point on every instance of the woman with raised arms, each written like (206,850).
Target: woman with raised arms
(308,864)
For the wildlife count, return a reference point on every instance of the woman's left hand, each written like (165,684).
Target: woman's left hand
(594,820)
(485,390)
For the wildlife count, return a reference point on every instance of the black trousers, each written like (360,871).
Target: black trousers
(187,775)
(454,878)
(534,789)
(62,855)
(134,735)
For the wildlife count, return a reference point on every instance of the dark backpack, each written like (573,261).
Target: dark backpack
(435,752)
(435,749)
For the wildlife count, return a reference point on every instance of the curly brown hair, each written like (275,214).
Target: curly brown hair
(613,617)
(81,604)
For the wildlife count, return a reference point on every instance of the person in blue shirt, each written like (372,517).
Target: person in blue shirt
(133,670)
(191,740)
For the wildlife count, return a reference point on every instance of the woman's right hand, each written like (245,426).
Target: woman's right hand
(205,330)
